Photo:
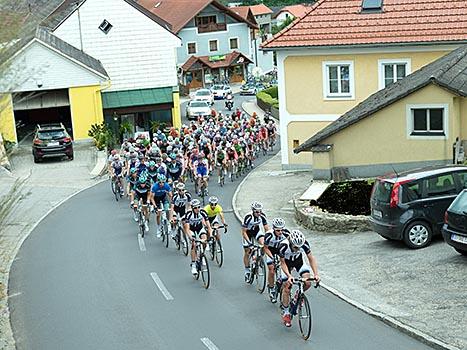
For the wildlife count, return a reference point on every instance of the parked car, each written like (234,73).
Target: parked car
(51,140)
(410,206)
(248,89)
(220,91)
(455,223)
(195,109)
(204,95)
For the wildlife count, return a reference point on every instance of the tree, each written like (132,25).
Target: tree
(276,29)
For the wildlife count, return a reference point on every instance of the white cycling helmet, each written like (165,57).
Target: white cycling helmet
(180,186)
(278,223)
(257,206)
(213,200)
(195,203)
(297,238)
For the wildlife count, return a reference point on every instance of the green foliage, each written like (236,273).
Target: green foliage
(273,91)
(102,135)
(268,98)
(157,125)
(125,128)
(276,29)
(348,197)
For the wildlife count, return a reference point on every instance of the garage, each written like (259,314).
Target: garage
(41,107)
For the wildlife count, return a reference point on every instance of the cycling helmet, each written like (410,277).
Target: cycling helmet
(133,155)
(213,200)
(142,179)
(173,156)
(256,206)
(297,238)
(133,171)
(116,157)
(195,203)
(152,164)
(180,186)
(278,223)
(161,178)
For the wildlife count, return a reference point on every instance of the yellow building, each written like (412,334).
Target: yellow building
(343,51)
(50,81)
(417,121)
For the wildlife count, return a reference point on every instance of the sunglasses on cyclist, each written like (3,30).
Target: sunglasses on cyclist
(257,211)
(197,207)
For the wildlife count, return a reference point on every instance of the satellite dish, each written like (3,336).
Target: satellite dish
(257,72)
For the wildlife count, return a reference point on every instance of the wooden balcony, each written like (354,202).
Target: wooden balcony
(212,27)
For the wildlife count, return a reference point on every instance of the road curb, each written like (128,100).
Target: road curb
(6,311)
(391,321)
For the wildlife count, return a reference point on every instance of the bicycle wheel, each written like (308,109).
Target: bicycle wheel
(305,317)
(184,242)
(260,275)
(165,232)
(141,223)
(112,186)
(219,253)
(212,247)
(252,268)
(205,275)
(178,238)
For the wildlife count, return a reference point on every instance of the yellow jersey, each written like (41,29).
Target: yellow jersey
(213,212)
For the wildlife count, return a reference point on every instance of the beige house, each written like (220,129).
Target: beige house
(418,121)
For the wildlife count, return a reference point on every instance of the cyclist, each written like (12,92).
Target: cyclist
(214,211)
(201,171)
(160,197)
(152,171)
(271,127)
(116,171)
(141,195)
(251,230)
(220,157)
(195,221)
(180,203)
(132,181)
(272,241)
(174,168)
(290,252)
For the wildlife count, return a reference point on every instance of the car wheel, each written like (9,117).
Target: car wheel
(463,252)
(36,159)
(418,235)
(70,157)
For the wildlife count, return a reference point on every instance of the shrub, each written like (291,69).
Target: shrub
(273,91)
(102,135)
(349,197)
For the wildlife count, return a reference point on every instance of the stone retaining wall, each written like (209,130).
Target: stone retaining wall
(314,219)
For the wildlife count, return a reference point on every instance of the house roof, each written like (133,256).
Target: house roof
(257,10)
(298,11)
(179,12)
(341,22)
(138,97)
(245,12)
(67,7)
(205,60)
(449,72)
(44,36)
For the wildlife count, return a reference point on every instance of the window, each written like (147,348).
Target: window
(191,47)
(338,80)
(441,185)
(411,191)
(233,43)
(296,143)
(391,71)
(462,179)
(205,20)
(427,121)
(105,26)
(372,5)
(212,45)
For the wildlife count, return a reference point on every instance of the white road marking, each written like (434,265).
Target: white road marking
(209,344)
(142,246)
(14,295)
(161,286)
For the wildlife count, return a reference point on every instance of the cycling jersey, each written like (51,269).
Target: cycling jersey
(252,222)
(141,192)
(272,241)
(160,191)
(152,173)
(174,170)
(180,202)
(195,220)
(117,167)
(286,252)
(212,213)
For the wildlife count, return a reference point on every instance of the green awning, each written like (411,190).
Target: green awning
(138,97)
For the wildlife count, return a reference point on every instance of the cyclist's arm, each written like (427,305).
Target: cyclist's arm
(221,214)
(268,252)
(314,265)
(245,235)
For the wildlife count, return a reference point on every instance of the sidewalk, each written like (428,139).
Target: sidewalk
(46,186)
(421,292)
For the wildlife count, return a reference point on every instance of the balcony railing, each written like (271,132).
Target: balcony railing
(211,27)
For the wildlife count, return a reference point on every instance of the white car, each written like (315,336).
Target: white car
(220,91)
(195,109)
(204,95)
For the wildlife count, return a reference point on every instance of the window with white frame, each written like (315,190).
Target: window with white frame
(191,48)
(428,120)
(338,79)
(105,26)
(233,42)
(391,71)
(212,45)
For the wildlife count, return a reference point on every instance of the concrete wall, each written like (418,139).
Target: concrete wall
(86,109)
(137,52)
(7,118)
(377,143)
(301,131)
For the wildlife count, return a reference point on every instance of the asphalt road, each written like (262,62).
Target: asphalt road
(83,280)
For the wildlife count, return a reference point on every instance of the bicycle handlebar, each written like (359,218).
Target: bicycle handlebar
(303,280)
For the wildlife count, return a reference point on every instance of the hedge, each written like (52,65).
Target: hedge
(268,98)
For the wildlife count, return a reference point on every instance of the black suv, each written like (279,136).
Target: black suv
(455,224)
(410,206)
(51,140)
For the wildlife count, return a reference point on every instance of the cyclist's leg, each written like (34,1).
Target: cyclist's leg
(270,264)
(304,272)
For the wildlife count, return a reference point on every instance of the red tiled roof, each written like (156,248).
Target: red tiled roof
(260,9)
(229,59)
(241,10)
(341,22)
(179,12)
(298,11)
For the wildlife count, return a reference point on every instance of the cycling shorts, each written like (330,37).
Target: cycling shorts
(142,196)
(274,251)
(299,266)
(180,210)
(197,232)
(175,176)
(162,201)
(252,235)
(202,171)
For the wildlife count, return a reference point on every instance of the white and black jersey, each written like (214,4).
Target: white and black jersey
(180,202)
(195,220)
(286,252)
(252,222)
(273,242)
